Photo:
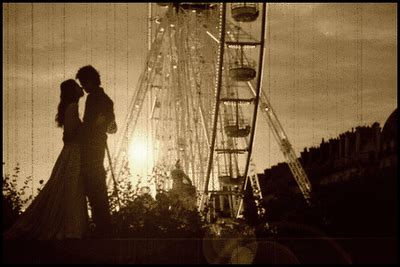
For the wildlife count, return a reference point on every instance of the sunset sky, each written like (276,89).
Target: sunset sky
(328,68)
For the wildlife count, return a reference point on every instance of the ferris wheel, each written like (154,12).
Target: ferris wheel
(203,77)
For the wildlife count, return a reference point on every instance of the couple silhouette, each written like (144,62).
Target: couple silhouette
(60,209)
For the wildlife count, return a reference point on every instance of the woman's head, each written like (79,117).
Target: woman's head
(70,93)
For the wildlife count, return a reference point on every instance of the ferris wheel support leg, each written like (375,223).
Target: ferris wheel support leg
(281,138)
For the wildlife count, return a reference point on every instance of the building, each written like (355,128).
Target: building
(350,154)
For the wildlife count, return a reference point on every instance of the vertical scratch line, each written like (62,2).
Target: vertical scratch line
(64,39)
(327,79)
(15,84)
(91,33)
(107,47)
(115,59)
(269,78)
(361,63)
(50,75)
(336,69)
(7,9)
(32,100)
(313,77)
(86,34)
(127,55)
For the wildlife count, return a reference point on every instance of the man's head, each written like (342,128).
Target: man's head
(89,78)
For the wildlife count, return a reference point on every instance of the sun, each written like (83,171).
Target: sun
(141,162)
(140,156)
(138,152)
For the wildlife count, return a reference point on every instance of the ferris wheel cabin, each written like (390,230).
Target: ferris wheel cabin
(230,181)
(244,12)
(242,73)
(234,130)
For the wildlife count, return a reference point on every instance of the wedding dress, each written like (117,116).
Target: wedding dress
(60,209)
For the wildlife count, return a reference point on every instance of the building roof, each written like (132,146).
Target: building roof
(389,131)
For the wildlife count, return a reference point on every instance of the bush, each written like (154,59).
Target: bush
(141,216)
(133,214)
(13,199)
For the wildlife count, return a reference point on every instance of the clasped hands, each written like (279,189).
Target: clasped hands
(111,127)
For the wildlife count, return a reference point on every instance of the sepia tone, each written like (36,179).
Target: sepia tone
(328,72)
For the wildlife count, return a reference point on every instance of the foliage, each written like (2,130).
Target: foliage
(14,199)
(139,215)
(133,213)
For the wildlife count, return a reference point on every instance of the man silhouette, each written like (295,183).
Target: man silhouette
(98,120)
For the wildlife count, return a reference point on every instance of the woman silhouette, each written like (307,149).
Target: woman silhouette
(60,209)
